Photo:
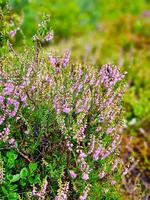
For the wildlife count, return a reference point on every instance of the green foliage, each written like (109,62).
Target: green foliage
(32,167)
(9,21)
(17,174)
(75,19)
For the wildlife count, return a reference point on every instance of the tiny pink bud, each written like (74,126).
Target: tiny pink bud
(11,141)
(67,110)
(85,177)
(73,174)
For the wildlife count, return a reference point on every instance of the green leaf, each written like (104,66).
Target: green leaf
(13,196)
(8,177)
(10,163)
(23,182)
(4,190)
(31,180)
(11,155)
(15,178)
(32,166)
(24,173)
(37,179)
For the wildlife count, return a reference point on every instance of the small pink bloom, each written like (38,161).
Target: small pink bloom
(67,110)
(85,177)
(9,89)
(11,141)
(113,182)
(13,33)
(50,36)
(109,130)
(53,60)
(82,154)
(96,153)
(101,175)
(73,174)
(66,58)
(1,99)
(84,196)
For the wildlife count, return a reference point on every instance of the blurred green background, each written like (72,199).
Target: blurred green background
(99,32)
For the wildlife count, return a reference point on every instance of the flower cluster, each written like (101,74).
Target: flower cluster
(62,191)
(91,101)
(77,111)
(1,170)
(42,192)
(13,32)
(9,107)
(85,193)
(59,62)
(13,94)
(49,36)
(110,75)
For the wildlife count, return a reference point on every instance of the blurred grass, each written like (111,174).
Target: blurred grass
(74,17)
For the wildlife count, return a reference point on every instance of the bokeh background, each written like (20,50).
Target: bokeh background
(99,32)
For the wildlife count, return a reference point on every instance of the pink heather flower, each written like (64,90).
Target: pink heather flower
(91,145)
(24,98)
(85,193)
(59,62)
(102,175)
(97,153)
(109,130)
(84,196)
(6,130)
(2,119)
(73,174)
(13,33)
(44,187)
(32,88)
(80,87)
(62,191)
(10,101)
(85,176)
(9,88)
(42,192)
(82,154)
(11,141)
(98,129)
(113,182)
(115,164)
(67,110)
(109,75)
(48,79)
(34,191)
(105,154)
(69,145)
(79,136)
(86,77)
(4,133)
(50,36)
(1,99)
(53,60)
(80,72)
(65,58)
(12,114)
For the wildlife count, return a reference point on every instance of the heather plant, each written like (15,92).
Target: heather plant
(9,25)
(59,126)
